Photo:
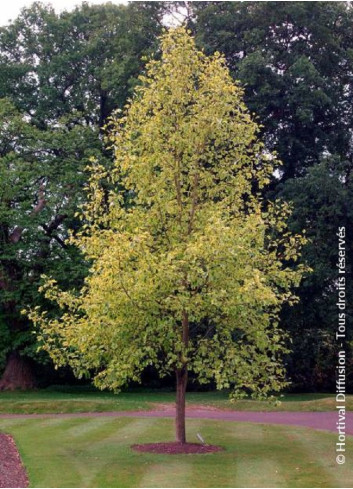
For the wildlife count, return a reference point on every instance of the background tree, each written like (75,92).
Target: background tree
(295,61)
(190,276)
(42,178)
(85,61)
(322,201)
(60,77)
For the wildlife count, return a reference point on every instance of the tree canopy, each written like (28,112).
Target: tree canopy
(190,275)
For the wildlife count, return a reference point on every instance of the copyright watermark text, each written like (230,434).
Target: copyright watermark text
(341,355)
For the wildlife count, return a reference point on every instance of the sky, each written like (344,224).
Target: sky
(11,8)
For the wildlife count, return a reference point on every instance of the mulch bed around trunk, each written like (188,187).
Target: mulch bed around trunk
(173,448)
(12,472)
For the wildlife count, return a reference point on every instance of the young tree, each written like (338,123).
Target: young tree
(188,275)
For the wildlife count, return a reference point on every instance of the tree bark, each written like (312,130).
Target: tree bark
(181,381)
(18,374)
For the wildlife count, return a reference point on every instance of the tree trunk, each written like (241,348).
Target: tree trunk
(181,381)
(18,374)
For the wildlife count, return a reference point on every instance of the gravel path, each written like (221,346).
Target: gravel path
(12,472)
(317,420)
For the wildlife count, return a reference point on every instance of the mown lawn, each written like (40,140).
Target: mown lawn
(75,400)
(95,452)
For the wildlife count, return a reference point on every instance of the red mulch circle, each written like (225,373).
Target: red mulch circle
(12,472)
(173,448)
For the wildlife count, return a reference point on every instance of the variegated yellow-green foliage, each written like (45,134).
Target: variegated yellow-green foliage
(187,270)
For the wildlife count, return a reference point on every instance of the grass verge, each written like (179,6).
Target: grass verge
(76,400)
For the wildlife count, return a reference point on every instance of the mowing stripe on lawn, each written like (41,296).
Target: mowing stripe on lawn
(169,473)
(95,452)
(326,459)
(97,449)
(131,474)
(86,426)
(245,463)
(132,430)
(295,468)
(206,468)
(256,472)
(175,470)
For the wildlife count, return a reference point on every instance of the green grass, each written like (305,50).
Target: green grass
(95,452)
(288,402)
(71,401)
(76,400)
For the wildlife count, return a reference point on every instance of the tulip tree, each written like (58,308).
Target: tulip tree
(189,271)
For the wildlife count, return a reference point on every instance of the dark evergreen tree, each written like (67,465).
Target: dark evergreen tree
(60,78)
(295,60)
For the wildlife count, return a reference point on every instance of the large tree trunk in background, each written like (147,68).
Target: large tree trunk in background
(181,381)
(18,374)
